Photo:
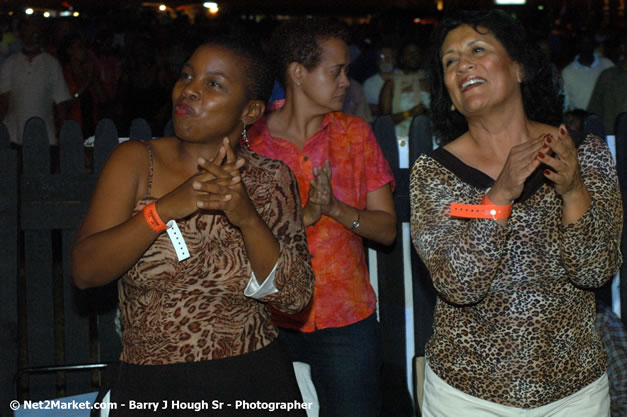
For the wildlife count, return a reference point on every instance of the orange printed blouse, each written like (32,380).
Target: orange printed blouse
(342,293)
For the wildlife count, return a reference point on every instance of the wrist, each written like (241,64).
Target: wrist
(336,209)
(251,223)
(162,211)
(310,214)
(579,195)
(499,198)
(153,219)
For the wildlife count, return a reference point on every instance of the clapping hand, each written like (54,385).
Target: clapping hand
(320,198)
(199,191)
(522,160)
(225,190)
(564,172)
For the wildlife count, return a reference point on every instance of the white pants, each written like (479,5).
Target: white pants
(442,400)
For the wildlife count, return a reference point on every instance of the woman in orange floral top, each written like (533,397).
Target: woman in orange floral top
(346,186)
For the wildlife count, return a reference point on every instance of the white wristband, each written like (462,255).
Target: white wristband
(180,247)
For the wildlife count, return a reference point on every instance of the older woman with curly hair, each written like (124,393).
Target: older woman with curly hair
(517,223)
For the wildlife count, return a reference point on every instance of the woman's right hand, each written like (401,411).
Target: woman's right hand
(521,162)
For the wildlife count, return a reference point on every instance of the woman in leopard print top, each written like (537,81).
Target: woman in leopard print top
(198,330)
(514,320)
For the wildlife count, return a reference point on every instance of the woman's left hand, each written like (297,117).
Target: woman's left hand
(228,193)
(327,201)
(564,172)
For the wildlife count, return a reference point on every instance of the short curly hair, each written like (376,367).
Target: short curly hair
(541,98)
(258,70)
(298,40)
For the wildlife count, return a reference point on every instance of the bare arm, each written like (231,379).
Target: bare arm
(110,240)
(377,222)
(229,195)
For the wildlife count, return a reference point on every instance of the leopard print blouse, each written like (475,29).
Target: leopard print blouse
(514,318)
(196,309)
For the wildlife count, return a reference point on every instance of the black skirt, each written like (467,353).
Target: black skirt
(260,383)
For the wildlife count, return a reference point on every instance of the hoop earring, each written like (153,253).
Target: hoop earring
(245,137)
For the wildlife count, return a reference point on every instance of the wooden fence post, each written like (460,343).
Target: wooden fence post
(8,270)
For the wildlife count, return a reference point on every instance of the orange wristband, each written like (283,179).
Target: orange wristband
(485,210)
(153,219)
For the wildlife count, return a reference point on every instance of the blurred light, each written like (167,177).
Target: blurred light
(65,13)
(510,1)
(540,7)
(212,6)
(162,7)
(11,13)
(417,20)
(29,11)
(46,14)
(440,5)
(76,14)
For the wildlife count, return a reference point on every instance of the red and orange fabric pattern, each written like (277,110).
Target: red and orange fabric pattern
(342,294)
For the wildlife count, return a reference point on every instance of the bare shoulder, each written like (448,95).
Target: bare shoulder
(127,155)
(162,148)
(127,168)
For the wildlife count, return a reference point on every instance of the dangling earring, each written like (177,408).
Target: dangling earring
(298,83)
(245,137)
(452,107)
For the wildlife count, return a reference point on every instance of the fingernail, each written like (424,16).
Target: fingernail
(562,131)
(196,186)
(540,155)
(547,138)
(547,172)
(235,179)
(201,161)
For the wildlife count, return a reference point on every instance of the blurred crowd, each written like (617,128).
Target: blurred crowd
(122,65)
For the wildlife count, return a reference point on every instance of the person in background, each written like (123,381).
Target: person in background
(517,224)
(32,85)
(142,92)
(345,184)
(355,101)
(406,94)
(386,62)
(609,97)
(580,76)
(614,336)
(83,75)
(195,301)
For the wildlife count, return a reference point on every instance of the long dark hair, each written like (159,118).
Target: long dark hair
(541,99)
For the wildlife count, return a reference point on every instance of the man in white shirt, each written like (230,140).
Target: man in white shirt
(32,85)
(386,61)
(581,74)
